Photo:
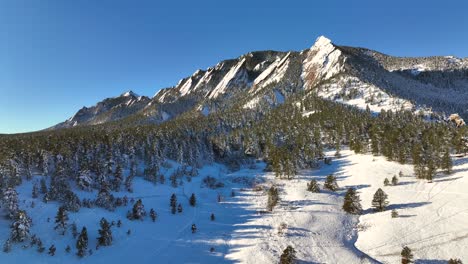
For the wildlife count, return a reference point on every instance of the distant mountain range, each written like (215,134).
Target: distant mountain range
(263,79)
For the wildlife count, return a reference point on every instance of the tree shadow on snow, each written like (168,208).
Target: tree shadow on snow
(430,261)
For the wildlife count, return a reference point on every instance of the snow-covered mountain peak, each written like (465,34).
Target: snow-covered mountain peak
(130,93)
(322,41)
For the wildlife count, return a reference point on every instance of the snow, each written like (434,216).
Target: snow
(279,97)
(165,116)
(185,89)
(432,222)
(273,74)
(130,93)
(235,74)
(322,62)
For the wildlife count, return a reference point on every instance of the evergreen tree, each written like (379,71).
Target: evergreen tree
(7,246)
(118,178)
(330,183)
(313,186)
(43,185)
(179,208)
(138,211)
(288,256)
(406,255)
(61,220)
(394,213)
(212,217)
(52,250)
(454,261)
(10,202)
(68,249)
(173,203)
(82,243)
(40,246)
(446,162)
(105,233)
(192,200)
(35,190)
(394,180)
(273,198)
(380,200)
(352,203)
(20,227)
(74,229)
(386,182)
(153,214)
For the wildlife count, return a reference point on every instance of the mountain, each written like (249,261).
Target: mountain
(263,79)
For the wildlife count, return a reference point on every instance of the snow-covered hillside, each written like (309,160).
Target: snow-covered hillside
(432,218)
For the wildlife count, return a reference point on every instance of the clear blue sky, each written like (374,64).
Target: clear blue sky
(57,56)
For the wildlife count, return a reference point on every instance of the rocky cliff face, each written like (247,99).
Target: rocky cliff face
(355,76)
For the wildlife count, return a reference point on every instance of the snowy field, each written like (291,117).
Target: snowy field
(433,219)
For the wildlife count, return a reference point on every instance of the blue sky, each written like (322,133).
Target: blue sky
(57,56)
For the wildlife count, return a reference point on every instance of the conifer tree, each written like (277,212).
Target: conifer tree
(212,217)
(61,220)
(179,208)
(394,180)
(352,203)
(118,178)
(74,229)
(192,200)
(386,182)
(7,246)
(313,186)
(446,162)
(20,227)
(273,198)
(43,185)
(153,214)
(454,261)
(105,233)
(138,211)
(82,243)
(394,213)
(173,203)
(52,250)
(380,200)
(10,202)
(288,256)
(330,183)
(35,190)
(406,255)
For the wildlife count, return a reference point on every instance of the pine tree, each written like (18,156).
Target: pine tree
(179,208)
(446,162)
(273,198)
(10,202)
(52,250)
(330,183)
(406,255)
(74,229)
(153,214)
(105,233)
(61,220)
(7,246)
(192,200)
(386,182)
(454,261)
(212,217)
(313,186)
(35,191)
(352,203)
(68,249)
(173,203)
(43,185)
(288,256)
(394,180)
(394,213)
(380,200)
(138,211)
(82,243)
(20,227)
(118,178)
